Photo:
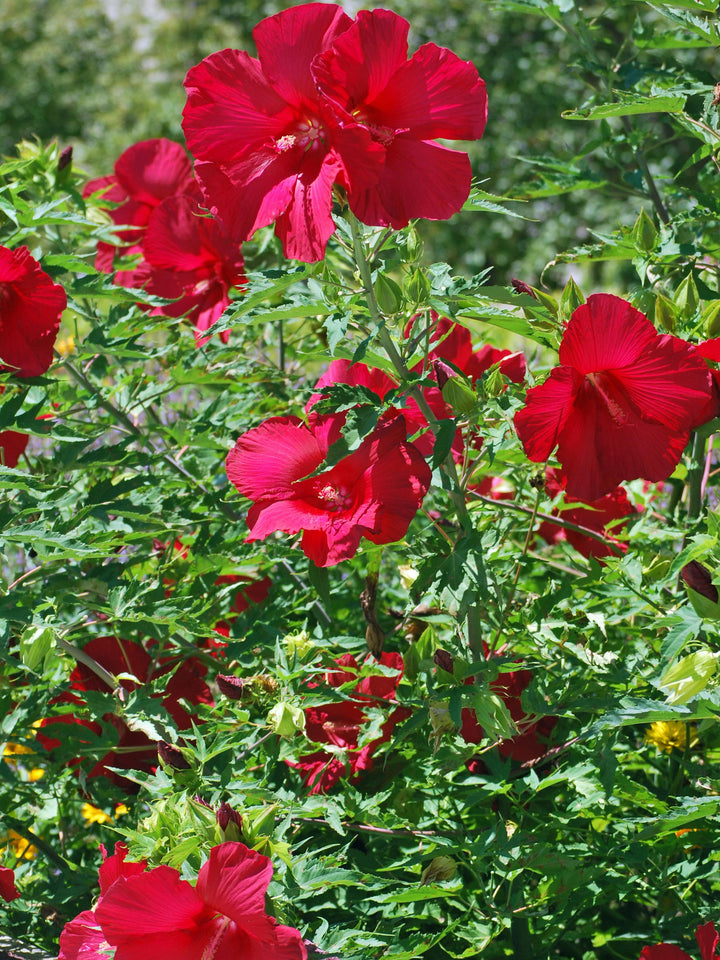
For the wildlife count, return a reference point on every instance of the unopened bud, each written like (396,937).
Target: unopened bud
(286,719)
(665,313)
(235,688)
(171,756)
(571,298)
(444,660)
(698,578)
(687,298)
(711,319)
(388,294)
(521,287)
(688,677)
(227,817)
(417,288)
(456,390)
(65,158)
(644,233)
(439,869)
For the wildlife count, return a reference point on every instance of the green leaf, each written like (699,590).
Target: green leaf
(626,108)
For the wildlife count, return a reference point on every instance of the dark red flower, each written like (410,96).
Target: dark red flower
(374,492)
(706,936)
(622,403)
(268,147)
(30,309)
(12,447)
(340,723)
(531,742)
(698,578)
(405,105)
(223,916)
(8,890)
(189,259)
(145,174)
(595,516)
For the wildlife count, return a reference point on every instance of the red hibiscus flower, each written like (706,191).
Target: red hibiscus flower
(30,309)
(8,890)
(145,174)
(706,936)
(340,723)
(134,750)
(188,258)
(268,147)
(82,938)
(594,516)
(405,105)
(531,742)
(223,916)
(373,493)
(622,403)
(12,447)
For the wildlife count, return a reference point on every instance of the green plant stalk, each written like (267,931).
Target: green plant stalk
(456,493)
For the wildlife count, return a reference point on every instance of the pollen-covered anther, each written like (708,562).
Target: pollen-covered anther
(285,143)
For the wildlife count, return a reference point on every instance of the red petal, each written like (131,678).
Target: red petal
(268,459)
(545,413)
(707,938)
(152,170)
(234,881)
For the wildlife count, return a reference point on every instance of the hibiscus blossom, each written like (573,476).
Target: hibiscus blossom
(340,723)
(405,105)
(12,447)
(374,492)
(189,259)
(622,403)
(268,146)
(144,175)
(706,936)
(30,309)
(595,516)
(8,890)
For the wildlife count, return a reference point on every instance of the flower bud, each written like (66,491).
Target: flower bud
(440,722)
(572,297)
(388,294)
(689,676)
(235,688)
(687,298)
(699,579)
(439,869)
(444,660)
(229,821)
(665,313)
(644,233)
(711,319)
(456,390)
(286,719)
(417,288)
(171,756)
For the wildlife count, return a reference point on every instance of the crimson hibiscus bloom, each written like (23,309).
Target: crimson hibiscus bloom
(189,259)
(30,309)
(706,936)
(373,493)
(12,447)
(268,147)
(8,890)
(595,516)
(531,742)
(405,105)
(145,174)
(340,723)
(622,403)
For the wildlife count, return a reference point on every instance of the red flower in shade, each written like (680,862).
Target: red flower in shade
(145,174)
(187,258)
(373,493)
(405,105)
(12,447)
(595,516)
(30,309)
(82,938)
(706,936)
(268,147)
(156,913)
(134,750)
(340,723)
(8,890)
(622,403)
(531,742)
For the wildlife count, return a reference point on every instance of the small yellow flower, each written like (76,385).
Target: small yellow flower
(13,750)
(21,848)
(669,735)
(120,810)
(65,346)
(93,814)
(37,773)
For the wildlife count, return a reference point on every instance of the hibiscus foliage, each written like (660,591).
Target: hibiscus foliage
(358,606)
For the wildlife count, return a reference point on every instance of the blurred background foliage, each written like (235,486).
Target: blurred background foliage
(102,75)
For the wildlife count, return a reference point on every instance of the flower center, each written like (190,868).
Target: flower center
(308,133)
(378,131)
(332,497)
(604,386)
(221,924)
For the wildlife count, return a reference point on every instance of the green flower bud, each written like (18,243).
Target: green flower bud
(689,676)
(286,719)
(644,233)
(665,313)
(687,298)
(417,288)
(439,869)
(572,297)
(388,294)
(711,319)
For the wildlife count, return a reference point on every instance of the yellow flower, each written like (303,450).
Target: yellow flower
(13,750)
(37,773)
(21,848)
(120,810)
(669,735)
(65,346)
(93,814)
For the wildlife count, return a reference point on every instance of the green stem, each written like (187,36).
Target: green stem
(456,493)
(695,475)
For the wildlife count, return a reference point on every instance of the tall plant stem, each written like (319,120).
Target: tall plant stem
(362,262)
